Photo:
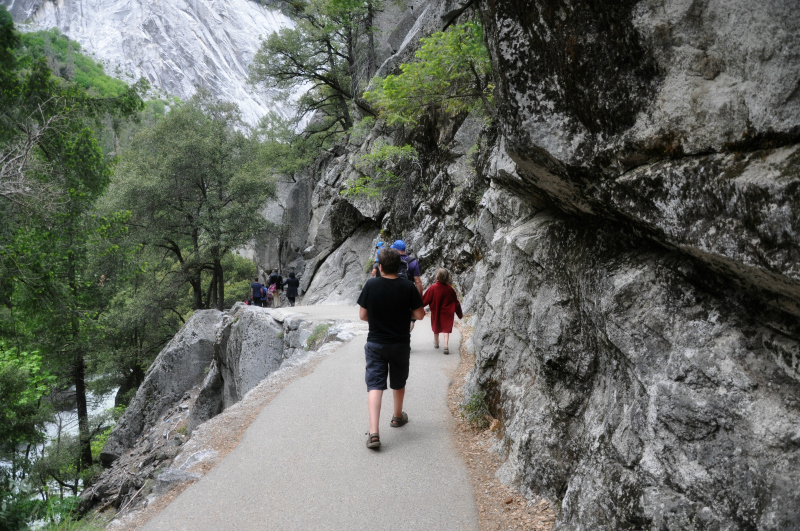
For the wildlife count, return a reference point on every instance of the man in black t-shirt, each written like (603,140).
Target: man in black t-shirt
(388,303)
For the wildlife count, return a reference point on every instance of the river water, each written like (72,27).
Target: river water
(66,422)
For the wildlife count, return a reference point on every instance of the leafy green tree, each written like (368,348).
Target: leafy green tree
(381,169)
(329,55)
(23,383)
(452,73)
(286,151)
(65,60)
(195,184)
(52,172)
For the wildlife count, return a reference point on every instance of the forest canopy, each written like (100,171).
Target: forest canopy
(91,182)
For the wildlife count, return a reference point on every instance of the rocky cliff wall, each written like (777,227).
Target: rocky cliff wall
(626,235)
(177,45)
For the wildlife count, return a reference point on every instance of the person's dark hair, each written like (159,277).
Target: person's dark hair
(291,275)
(255,280)
(389,259)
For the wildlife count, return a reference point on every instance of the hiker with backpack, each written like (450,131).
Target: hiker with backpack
(409,270)
(443,300)
(275,283)
(255,292)
(375,270)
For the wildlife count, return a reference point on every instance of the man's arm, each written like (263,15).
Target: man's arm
(418,314)
(362,313)
(418,282)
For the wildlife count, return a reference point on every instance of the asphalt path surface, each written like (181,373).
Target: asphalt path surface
(303,463)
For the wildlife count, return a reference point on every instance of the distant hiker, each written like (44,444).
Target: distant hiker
(442,299)
(275,279)
(409,269)
(292,284)
(387,303)
(378,247)
(255,292)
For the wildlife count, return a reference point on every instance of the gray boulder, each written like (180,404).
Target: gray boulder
(171,478)
(249,347)
(251,344)
(180,366)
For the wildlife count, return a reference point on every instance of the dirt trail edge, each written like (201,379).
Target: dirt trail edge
(303,463)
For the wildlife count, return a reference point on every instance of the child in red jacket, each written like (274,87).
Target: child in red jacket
(442,299)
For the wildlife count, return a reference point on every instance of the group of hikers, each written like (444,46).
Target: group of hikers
(268,294)
(391,302)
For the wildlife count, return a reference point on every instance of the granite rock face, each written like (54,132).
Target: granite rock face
(176,45)
(627,392)
(626,236)
(179,367)
(662,110)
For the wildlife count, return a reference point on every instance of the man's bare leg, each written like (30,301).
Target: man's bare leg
(374,406)
(398,395)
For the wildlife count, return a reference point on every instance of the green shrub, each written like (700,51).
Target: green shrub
(379,168)
(475,410)
(317,337)
(451,72)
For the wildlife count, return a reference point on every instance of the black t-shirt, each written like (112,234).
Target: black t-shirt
(276,279)
(389,303)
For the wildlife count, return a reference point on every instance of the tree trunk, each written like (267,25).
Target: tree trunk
(211,294)
(220,277)
(196,272)
(79,373)
(197,289)
(371,66)
(346,120)
(83,414)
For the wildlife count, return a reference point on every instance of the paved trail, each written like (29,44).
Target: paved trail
(303,463)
